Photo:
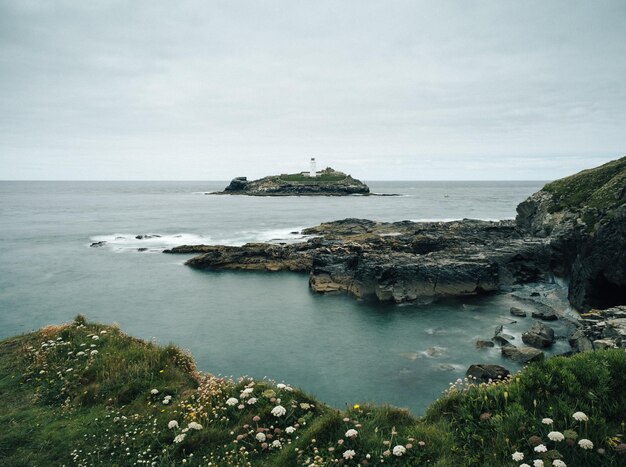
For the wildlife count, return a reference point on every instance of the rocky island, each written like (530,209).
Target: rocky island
(328,182)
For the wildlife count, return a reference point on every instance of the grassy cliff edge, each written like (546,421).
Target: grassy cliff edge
(87,394)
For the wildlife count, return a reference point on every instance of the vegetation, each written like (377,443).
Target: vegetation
(86,394)
(324,176)
(600,188)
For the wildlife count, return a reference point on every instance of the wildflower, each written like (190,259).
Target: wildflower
(232,401)
(94,352)
(80,354)
(241,406)
(408,446)
(556,436)
(517,456)
(260,437)
(349,454)
(547,421)
(541,448)
(194,426)
(356,406)
(289,430)
(172,424)
(558,463)
(246,392)
(524,465)
(387,453)
(251,401)
(281,386)
(180,438)
(276,444)
(538,463)
(154,391)
(103,332)
(421,444)
(256,418)
(305,406)
(585,444)
(580,416)
(351,433)
(399,450)
(95,338)
(279,411)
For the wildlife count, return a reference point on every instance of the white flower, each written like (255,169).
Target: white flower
(80,354)
(541,448)
(276,444)
(538,463)
(154,391)
(281,386)
(289,430)
(232,401)
(94,352)
(349,454)
(399,450)
(180,438)
(165,401)
(95,338)
(351,433)
(246,392)
(103,332)
(194,426)
(172,424)
(524,465)
(580,416)
(558,463)
(556,436)
(260,437)
(517,456)
(278,411)
(251,401)
(585,444)
(547,421)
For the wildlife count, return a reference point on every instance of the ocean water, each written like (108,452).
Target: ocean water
(339,349)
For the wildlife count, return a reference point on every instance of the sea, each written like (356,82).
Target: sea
(240,323)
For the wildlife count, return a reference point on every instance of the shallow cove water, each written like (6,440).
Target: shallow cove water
(247,323)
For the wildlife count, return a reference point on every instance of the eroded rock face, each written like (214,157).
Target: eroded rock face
(394,262)
(522,354)
(539,336)
(601,329)
(484,373)
(584,219)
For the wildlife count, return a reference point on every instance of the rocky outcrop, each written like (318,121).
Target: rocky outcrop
(522,354)
(394,262)
(600,329)
(329,182)
(583,217)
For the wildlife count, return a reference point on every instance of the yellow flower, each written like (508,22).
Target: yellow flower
(356,406)
(161,371)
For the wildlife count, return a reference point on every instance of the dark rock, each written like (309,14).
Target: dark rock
(579,342)
(544,316)
(539,335)
(142,249)
(98,244)
(518,312)
(145,237)
(237,184)
(481,344)
(483,373)
(501,341)
(522,354)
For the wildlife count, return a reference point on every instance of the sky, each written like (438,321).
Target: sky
(384,90)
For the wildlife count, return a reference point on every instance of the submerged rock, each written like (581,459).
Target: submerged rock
(518,312)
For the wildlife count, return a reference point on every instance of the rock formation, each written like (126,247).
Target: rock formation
(329,182)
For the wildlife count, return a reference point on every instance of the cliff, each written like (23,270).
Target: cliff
(329,182)
(583,218)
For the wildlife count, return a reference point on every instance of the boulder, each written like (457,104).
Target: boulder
(481,344)
(522,354)
(544,316)
(539,335)
(484,373)
(518,312)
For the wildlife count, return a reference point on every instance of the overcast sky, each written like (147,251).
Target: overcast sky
(158,90)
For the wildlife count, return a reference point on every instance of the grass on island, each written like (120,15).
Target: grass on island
(321,178)
(86,394)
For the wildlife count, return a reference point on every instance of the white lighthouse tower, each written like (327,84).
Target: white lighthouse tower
(313,169)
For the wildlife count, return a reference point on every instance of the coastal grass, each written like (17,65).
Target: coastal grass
(321,178)
(84,394)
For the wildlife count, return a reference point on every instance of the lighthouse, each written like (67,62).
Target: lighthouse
(313,169)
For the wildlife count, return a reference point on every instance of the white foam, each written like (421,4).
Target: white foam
(123,242)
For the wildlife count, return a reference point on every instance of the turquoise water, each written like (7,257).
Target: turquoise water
(245,323)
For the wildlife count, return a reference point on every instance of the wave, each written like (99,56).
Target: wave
(149,242)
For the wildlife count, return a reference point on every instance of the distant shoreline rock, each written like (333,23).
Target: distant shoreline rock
(328,182)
